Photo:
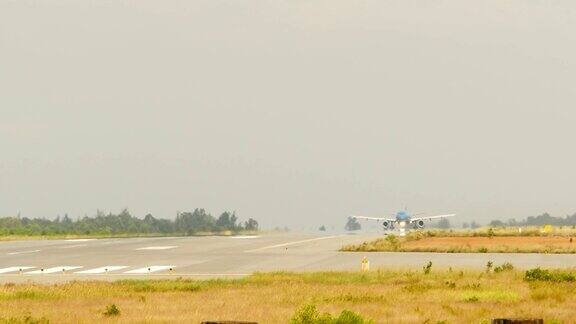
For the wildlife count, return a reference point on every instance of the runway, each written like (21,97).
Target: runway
(223,257)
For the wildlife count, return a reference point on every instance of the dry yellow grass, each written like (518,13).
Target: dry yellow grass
(552,244)
(502,240)
(546,230)
(383,296)
(471,244)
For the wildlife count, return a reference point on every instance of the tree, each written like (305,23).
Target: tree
(251,225)
(197,221)
(352,224)
(474,225)
(513,222)
(444,223)
(322,228)
(497,223)
(227,221)
(123,223)
(465,225)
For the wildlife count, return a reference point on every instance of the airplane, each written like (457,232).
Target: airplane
(403,219)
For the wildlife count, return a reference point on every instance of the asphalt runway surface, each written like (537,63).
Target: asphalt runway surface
(224,257)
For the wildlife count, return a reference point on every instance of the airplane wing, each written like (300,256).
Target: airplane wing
(374,218)
(429,218)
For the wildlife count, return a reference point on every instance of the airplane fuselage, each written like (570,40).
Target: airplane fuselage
(402,216)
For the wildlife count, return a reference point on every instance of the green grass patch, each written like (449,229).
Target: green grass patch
(538,274)
(356,299)
(28,293)
(26,319)
(489,296)
(333,278)
(158,285)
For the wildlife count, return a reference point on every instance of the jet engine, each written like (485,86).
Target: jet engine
(387,225)
(419,224)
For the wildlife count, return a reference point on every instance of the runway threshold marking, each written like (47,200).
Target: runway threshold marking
(23,252)
(53,270)
(14,269)
(104,269)
(157,248)
(292,243)
(173,275)
(149,269)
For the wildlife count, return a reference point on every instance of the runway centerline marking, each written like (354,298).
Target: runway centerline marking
(72,246)
(149,269)
(105,269)
(53,270)
(157,248)
(293,243)
(23,252)
(14,269)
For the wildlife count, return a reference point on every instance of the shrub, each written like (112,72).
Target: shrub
(489,265)
(471,299)
(428,267)
(506,266)
(112,310)
(491,233)
(349,317)
(538,274)
(309,314)
(450,284)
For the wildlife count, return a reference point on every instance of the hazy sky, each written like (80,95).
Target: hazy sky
(289,111)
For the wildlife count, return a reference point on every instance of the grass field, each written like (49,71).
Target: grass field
(384,296)
(563,231)
(499,244)
(480,241)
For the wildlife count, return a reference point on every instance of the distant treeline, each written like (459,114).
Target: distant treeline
(187,223)
(544,219)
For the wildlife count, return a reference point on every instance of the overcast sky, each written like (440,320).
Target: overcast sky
(293,112)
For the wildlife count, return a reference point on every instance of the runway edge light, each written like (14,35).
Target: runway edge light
(365,265)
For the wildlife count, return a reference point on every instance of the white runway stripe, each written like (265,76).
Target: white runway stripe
(157,248)
(149,269)
(293,243)
(53,270)
(80,240)
(72,246)
(105,269)
(14,269)
(23,252)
